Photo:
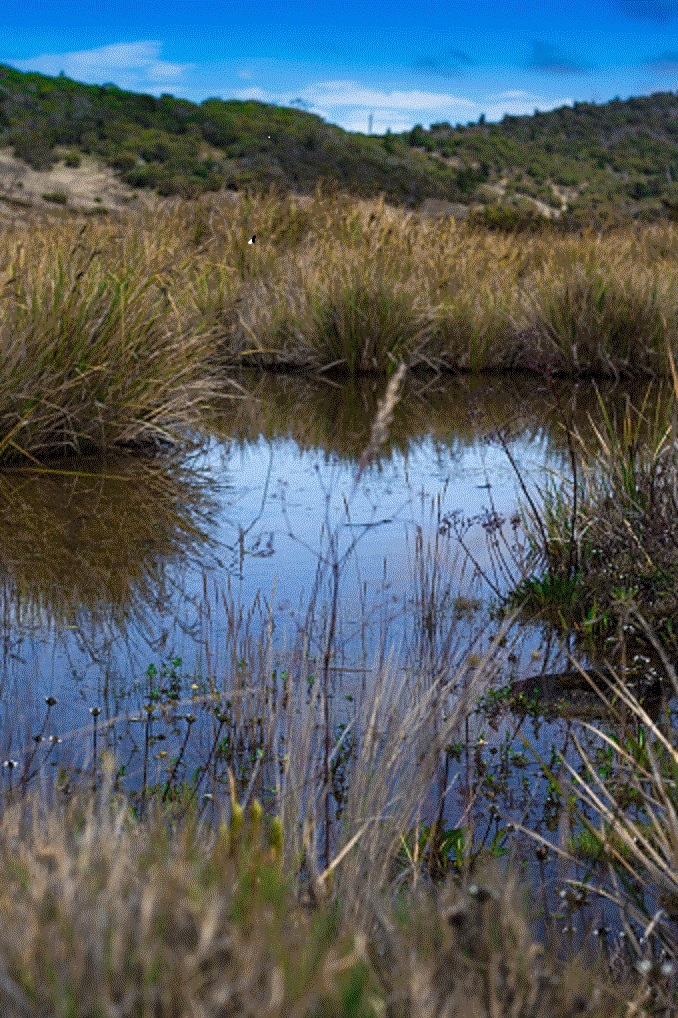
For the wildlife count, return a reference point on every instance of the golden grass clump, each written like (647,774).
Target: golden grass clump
(368,284)
(602,318)
(95,353)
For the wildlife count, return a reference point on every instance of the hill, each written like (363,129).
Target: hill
(585,163)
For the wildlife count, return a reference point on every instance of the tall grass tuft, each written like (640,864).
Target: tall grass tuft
(600,319)
(96,356)
(606,535)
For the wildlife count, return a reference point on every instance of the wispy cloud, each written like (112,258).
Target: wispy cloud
(549,58)
(260,94)
(666,64)
(447,63)
(349,93)
(517,102)
(135,65)
(351,105)
(659,11)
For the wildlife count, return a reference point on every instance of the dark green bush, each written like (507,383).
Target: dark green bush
(417,136)
(508,218)
(142,176)
(34,148)
(58,197)
(124,161)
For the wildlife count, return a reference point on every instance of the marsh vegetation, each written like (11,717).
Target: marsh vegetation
(118,333)
(324,823)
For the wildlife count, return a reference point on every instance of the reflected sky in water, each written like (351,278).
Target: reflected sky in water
(122,570)
(107,570)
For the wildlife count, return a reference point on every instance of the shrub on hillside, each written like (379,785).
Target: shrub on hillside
(508,218)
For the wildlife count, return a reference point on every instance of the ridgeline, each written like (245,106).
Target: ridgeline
(587,164)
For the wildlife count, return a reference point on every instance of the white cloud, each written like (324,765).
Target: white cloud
(517,102)
(350,104)
(133,65)
(350,94)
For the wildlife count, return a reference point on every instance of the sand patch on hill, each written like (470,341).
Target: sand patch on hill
(90,188)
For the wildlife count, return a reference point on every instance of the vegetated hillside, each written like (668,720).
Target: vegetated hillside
(622,153)
(613,161)
(179,147)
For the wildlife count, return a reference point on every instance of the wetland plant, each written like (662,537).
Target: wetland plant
(137,323)
(604,540)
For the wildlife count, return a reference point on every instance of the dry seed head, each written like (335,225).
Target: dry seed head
(383,419)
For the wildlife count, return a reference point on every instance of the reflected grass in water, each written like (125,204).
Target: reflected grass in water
(94,540)
(336,416)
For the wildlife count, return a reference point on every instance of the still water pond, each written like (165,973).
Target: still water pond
(120,579)
(110,568)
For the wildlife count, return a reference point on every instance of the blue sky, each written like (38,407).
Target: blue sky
(399,62)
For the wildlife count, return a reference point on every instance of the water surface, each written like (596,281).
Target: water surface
(119,579)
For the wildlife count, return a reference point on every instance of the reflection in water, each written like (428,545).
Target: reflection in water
(125,545)
(94,541)
(126,548)
(125,588)
(336,417)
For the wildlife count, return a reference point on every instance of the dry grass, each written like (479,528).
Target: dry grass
(104,914)
(118,918)
(359,286)
(95,354)
(114,333)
